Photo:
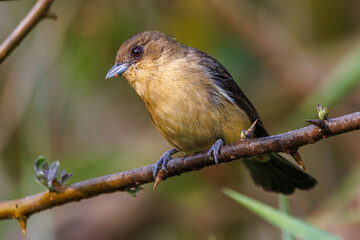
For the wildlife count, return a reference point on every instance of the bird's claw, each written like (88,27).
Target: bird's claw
(162,161)
(161,164)
(215,151)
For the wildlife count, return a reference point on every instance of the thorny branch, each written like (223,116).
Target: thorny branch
(40,10)
(289,142)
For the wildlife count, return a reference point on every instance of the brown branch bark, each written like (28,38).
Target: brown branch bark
(288,142)
(40,11)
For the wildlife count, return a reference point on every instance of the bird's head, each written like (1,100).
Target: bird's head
(140,57)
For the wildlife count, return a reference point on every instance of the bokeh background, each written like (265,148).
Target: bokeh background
(55,102)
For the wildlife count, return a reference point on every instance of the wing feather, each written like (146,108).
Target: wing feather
(222,78)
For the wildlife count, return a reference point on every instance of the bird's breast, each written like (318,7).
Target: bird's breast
(192,117)
(188,109)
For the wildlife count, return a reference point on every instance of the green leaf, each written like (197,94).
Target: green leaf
(42,179)
(54,171)
(41,165)
(291,224)
(48,177)
(64,177)
(284,207)
(322,112)
(134,190)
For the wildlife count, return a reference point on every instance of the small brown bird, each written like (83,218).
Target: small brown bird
(196,105)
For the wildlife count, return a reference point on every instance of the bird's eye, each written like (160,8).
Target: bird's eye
(137,51)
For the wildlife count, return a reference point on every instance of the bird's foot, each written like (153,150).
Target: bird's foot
(215,150)
(161,164)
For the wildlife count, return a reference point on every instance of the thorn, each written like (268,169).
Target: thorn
(22,222)
(252,128)
(51,15)
(298,159)
(317,122)
(159,178)
(248,134)
(323,124)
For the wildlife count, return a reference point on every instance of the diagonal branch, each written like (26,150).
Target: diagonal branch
(288,142)
(40,10)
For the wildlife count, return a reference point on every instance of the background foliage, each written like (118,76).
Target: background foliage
(55,102)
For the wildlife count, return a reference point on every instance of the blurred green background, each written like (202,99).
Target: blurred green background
(55,102)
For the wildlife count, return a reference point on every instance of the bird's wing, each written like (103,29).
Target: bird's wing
(221,77)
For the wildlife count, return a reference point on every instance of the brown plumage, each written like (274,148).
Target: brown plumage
(196,105)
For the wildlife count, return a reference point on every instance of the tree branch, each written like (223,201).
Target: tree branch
(40,10)
(288,142)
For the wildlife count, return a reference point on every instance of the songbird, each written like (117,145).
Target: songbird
(196,105)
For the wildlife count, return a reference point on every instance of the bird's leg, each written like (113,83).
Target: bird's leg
(163,161)
(215,150)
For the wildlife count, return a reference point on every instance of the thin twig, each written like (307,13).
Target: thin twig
(38,12)
(286,142)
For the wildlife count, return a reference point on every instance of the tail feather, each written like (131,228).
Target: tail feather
(279,175)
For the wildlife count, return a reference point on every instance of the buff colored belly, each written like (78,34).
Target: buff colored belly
(196,127)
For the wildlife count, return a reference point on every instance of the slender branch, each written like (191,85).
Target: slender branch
(286,142)
(40,10)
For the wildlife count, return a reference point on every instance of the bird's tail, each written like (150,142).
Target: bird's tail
(279,175)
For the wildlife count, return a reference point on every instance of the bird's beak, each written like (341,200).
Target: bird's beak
(117,70)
